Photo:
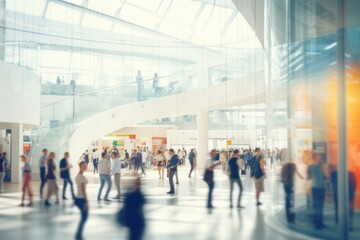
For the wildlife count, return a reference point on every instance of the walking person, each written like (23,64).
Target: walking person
(161,161)
(318,175)
(127,158)
(2,170)
(65,175)
(138,160)
(116,172)
(81,200)
(209,176)
(51,180)
(172,168)
(235,177)
(258,174)
(42,165)
(191,161)
(132,214)
(26,188)
(95,160)
(105,176)
(143,161)
(287,178)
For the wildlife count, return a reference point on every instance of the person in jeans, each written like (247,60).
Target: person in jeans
(172,168)
(26,181)
(235,177)
(191,161)
(51,180)
(2,170)
(65,175)
(318,175)
(287,178)
(81,199)
(105,176)
(42,165)
(116,172)
(212,164)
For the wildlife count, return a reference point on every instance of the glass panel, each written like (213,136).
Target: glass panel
(57,12)
(138,16)
(54,58)
(96,22)
(150,5)
(32,7)
(107,7)
(177,10)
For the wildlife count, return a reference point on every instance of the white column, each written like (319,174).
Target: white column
(16,151)
(202,122)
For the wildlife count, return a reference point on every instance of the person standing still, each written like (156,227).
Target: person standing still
(2,171)
(235,177)
(258,174)
(81,199)
(65,175)
(287,178)
(42,165)
(172,168)
(318,174)
(105,176)
(116,172)
(211,184)
(26,181)
(191,161)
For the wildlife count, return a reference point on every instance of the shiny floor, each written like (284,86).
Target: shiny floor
(181,216)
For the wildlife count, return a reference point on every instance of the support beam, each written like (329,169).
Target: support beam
(202,120)
(16,150)
(342,172)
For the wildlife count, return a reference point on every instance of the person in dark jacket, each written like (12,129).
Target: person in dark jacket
(191,161)
(65,175)
(133,207)
(172,168)
(287,178)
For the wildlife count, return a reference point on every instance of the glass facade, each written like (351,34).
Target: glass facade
(312,65)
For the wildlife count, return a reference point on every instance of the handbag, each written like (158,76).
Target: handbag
(208,176)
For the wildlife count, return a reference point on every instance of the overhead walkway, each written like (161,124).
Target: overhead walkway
(74,122)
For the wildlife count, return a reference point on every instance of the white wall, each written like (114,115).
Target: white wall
(20,95)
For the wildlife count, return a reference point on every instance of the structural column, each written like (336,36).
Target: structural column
(202,123)
(343,178)
(16,151)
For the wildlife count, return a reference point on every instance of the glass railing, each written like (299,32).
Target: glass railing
(58,120)
(25,54)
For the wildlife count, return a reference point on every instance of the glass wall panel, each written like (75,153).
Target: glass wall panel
(303,82)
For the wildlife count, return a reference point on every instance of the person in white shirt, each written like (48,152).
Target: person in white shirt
(81,199)
(143,161)
(116,172)
(105,176)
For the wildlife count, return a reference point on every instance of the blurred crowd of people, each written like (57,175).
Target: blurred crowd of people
(319,178)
